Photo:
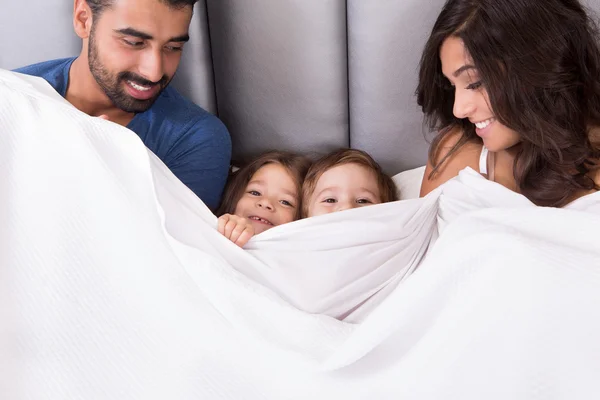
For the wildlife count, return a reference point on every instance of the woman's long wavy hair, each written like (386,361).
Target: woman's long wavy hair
(540,64)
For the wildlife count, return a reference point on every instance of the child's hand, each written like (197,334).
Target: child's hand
(237,229)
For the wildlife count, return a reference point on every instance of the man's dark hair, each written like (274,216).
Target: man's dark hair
(98,6)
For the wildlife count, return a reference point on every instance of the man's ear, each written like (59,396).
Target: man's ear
(82,18)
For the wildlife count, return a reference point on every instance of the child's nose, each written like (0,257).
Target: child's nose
(345,205)
(265,203)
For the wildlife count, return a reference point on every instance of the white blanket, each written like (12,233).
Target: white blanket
(115,284)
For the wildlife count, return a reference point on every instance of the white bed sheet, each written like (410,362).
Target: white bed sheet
(118,286)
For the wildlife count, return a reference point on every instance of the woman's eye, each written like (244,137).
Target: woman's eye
(330,200)
(474,86)
(254,193)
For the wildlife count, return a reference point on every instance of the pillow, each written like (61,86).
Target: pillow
(408,183)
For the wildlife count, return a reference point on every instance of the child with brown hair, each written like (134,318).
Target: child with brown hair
(263,194)
(345,179)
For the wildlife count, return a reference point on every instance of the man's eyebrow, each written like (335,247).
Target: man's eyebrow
(134,32)
(145,36)
(462,69)
(182,38)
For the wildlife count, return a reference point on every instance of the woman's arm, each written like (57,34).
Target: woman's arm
(466,156)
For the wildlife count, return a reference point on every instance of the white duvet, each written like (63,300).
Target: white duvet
(115,285)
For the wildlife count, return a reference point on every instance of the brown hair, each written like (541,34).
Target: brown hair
(540,64)
(295,164)
(385,184)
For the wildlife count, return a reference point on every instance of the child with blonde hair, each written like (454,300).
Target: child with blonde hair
(345,179)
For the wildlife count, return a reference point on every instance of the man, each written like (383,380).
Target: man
(131,50)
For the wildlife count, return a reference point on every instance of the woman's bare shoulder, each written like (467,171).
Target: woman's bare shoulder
(466,156)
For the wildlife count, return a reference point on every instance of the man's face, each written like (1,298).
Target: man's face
(134,50)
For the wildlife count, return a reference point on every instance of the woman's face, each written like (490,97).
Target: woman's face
(471,99)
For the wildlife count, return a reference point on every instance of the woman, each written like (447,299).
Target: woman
(513,88)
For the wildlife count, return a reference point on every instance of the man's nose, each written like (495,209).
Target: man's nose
(151,65)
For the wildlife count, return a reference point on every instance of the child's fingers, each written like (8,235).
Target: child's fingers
(222,221)
(234,228)
(230,226)
(239,230)
(245,236)
(242,224)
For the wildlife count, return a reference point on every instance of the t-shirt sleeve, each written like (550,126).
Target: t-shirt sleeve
(201,160)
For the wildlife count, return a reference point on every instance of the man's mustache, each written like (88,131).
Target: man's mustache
(135,78)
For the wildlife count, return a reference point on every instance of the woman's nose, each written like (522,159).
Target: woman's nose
(464,105)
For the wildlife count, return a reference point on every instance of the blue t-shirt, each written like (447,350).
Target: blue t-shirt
(194,144)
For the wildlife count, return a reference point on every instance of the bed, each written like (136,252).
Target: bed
(115,283)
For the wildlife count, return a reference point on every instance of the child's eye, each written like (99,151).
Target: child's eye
(254,193)
(286,203)
(329,200)
(364,201)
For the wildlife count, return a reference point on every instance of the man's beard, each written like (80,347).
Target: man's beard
(113,85)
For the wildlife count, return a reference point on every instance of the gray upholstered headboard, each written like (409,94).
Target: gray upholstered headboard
(312,75)
(304,75)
